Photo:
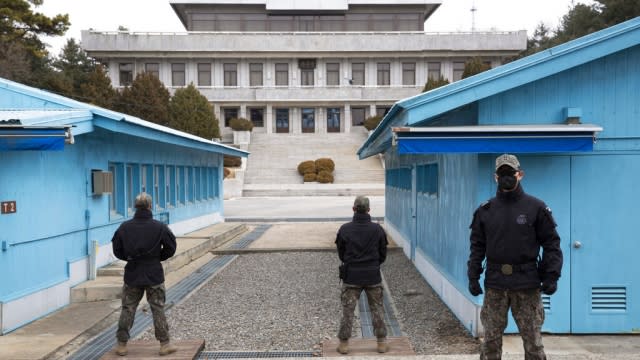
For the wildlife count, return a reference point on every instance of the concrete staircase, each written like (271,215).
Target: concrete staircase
(272,165)
(191,248)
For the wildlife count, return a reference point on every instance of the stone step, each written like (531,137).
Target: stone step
(312,189)
(108,283)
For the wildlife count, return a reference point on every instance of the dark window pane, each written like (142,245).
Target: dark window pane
(153,69)
(282,74)
(257,116)
(358,115)
(384,74)
(230,74)
(177,74)
(228,114)
(333,74)
(357,74)
(255,74)
(408,73)
(126,74)
(204,74)
(308,120)
(333,119)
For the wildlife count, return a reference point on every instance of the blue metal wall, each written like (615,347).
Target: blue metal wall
(57,215)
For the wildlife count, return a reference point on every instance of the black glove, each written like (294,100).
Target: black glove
(549,287)
(474,287)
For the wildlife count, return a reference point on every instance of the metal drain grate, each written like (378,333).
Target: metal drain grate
(106,340)
(366,321)
(253,354)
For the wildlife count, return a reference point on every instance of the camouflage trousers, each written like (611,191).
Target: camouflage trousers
(131,297)
(528,312)
(349,299)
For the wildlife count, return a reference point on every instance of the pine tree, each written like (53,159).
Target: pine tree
(474,66)
(191,112)
(434,83)
(146,98)
(97,90)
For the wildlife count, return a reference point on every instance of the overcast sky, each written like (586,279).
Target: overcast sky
(157,15)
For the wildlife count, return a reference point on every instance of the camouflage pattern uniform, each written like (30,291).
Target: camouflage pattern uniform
(131,297)
(528,312)
(349,299)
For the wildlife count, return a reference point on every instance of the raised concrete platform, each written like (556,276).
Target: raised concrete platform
(108,283)
(187,349)
(398,346)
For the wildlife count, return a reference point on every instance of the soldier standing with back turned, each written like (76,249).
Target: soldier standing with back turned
(509,231)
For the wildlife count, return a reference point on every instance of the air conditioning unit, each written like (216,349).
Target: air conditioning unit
(101,182)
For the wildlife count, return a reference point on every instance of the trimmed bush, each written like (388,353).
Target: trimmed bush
(372,122)
(325,164)
(309,177)
(227,172)
(325,177)
(232,161)
(240,124)
(306,167)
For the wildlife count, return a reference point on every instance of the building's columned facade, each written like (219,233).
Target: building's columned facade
(304,68)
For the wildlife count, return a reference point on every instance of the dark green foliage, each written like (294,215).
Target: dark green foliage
(307,167)
(372,122)
(325,164)
(146,98)
(98,90)
(309,177)
(434,83)
(232,161)
(474,66)
(324,177)
(190,111)
(240,124)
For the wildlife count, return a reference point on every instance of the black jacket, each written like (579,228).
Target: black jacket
(510,229)
(362,246)
(143,243)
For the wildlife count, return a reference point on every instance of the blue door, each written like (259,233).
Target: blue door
(605,286)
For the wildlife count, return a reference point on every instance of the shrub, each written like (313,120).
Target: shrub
(227,172)
(325,164)
(434,83)
(232,161)
(309,177)
(372,122)
(306,167)
(324,177)
(240,124)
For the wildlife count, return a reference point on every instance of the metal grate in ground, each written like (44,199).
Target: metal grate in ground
(253,354)
(106,340)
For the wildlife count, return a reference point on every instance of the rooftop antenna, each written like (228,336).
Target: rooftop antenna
(473,16)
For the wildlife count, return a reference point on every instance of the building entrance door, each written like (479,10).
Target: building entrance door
(282,120)
(333,120)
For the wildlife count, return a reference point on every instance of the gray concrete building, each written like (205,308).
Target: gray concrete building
(312,66)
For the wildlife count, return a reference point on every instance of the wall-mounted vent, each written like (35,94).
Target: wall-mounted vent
(609,298)
(546,302)
(101,182)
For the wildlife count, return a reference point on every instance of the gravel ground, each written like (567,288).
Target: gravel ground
(291,301)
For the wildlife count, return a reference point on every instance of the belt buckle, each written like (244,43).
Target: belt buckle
(506,269)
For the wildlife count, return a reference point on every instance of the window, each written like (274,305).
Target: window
(194,183)
(197,184)
(169,181)
(357,74)
(427,179)
(255,74)
(213,182)
(230,74)
(228,114)
(458,70)
(409,74)
(358,114)
(382,110)
(144,172)
(126,74)
(282,120)
(257,116)
(333,119)
(306,77)
(116,198)
(204,74)
(153,69)
(282,74)
(133,179)
(179,187)
(384,74)
(158,187)
(308,120)
(433,70)
(188,188)
(177,74)
(333,74)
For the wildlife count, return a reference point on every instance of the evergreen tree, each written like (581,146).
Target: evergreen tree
(146,98)
(191,112)
(474,66)
(75,66)
(21,50)
(434,83)
(97,90)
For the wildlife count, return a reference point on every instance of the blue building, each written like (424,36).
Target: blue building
(70,173)
(439,149)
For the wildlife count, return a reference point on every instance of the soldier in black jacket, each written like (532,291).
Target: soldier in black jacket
(509,231)
(143,243)
(362,247)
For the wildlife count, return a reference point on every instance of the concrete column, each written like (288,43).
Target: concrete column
(243,111)
(347,118)
(372,110)
(268,121)
(321,121)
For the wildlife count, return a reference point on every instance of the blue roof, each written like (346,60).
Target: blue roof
(423,107)
(45,109)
